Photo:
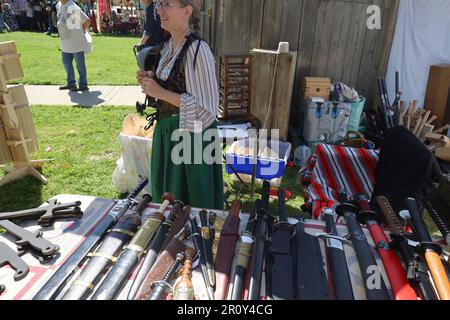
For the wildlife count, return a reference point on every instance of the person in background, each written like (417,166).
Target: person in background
(186,88)
(50,8)
(19,12)
(3,24)
(29,18)
(106,22)
(38,16)
(10,19)
(153,33)
(72,25)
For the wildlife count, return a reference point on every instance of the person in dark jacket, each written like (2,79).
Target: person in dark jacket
(153,33)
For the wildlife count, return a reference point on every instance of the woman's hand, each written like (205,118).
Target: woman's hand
(151,88)
(141,75)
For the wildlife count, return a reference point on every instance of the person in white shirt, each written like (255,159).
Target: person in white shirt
(73,25)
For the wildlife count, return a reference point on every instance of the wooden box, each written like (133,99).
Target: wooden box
(315,87)
(437,98)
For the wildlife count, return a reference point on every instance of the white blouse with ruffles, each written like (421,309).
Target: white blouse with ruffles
(199,105)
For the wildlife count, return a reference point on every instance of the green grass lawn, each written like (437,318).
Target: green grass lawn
(84,147)
(111,62)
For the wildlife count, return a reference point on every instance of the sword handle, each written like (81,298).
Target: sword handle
(282,205)
(133,194)
(146,199)
(417,221)
(389,215)
(442,226)
(265,195)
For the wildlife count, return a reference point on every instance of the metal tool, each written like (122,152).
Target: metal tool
(45,215)
(9,256)
(25,238)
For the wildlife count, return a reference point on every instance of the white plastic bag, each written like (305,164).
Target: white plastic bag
(134,163)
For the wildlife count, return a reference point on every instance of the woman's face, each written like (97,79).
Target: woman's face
(174,15)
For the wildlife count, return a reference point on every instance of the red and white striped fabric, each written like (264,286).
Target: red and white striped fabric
(335,168)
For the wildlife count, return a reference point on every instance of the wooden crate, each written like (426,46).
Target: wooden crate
(10,61)
(315,87)
(23,112)
(5,154)
(272,87)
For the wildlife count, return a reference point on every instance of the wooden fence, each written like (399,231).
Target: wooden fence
(331,37)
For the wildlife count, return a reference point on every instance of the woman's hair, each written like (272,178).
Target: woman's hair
(196,5)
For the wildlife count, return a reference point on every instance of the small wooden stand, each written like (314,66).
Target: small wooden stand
(272,87)
(17,132)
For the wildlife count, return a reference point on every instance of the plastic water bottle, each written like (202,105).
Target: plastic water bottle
(301,155)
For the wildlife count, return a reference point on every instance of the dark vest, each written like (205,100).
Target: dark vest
(176,82)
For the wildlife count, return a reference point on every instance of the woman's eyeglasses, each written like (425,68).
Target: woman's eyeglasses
(165,5)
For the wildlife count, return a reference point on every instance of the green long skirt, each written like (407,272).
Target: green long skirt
(197,184)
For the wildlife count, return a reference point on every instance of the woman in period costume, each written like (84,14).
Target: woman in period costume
(186,89)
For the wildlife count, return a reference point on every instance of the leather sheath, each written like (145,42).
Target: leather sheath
(105,256)
(161,266)
(225,251)
(178,224)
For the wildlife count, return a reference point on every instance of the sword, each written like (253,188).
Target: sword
(198,245)
(207,247)
(416,270)
(159,289)
(115,280)
(225,250)
(106,254)
(430,250)
(280,252)
(262,227)
(243,256)
(57,281)
(442,226)
(395,272)
(366,260)
(154,249)
(337,261)
(311,279)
